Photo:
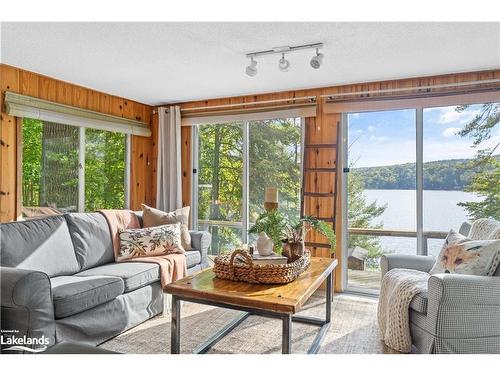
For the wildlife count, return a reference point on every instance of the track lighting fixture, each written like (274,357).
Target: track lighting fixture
(284,64)
(317,60)
(251,69)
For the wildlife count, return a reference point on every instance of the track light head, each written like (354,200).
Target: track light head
(284,64)
(251,69)
(317,60)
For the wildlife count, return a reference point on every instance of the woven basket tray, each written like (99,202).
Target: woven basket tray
(242,268)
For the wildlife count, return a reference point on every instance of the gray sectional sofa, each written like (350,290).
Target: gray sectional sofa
(59,279)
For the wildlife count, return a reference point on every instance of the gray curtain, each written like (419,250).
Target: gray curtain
(169,183)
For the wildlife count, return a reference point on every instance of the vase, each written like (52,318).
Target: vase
(293,250)
(264,244)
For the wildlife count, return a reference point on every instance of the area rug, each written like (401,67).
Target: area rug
(353,330)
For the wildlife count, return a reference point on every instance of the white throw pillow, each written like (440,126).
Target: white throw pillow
(463,256)
(152,241)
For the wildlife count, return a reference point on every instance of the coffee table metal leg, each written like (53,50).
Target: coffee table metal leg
(286,339)
(329,287)
(175,326)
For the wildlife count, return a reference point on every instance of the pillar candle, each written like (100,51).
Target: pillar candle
(271,194)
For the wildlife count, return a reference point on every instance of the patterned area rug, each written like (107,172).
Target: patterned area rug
(353,330)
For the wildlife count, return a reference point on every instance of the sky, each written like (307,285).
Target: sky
(388,137)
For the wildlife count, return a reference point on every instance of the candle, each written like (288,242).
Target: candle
(271,194)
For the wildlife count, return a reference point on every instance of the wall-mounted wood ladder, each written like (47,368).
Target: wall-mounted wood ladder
(319,186)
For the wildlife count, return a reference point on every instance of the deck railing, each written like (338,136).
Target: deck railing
(400,233)
(358,231)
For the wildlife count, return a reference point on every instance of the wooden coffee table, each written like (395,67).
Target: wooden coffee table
(273,301)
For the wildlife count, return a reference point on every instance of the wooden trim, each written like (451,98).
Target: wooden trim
(378,103)
(321,145)
(42,87)
(19,170)
(310,98)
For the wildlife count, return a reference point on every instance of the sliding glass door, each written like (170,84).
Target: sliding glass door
(414,175)
(235,162)
(381,189)
(455,180)
(220,183)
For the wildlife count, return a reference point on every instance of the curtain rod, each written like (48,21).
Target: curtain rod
(310,98)
(429,87)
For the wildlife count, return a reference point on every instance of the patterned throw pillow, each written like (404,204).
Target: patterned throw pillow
(152,241)
(152,217)
(463,256)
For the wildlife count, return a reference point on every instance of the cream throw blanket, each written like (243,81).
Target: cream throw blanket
(398,288)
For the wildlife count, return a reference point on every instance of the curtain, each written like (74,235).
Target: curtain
(169,183)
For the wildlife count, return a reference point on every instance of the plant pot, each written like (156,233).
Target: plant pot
(293,250)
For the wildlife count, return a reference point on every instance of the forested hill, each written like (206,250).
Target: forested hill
(452,174)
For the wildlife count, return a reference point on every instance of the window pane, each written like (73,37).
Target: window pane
(274,160)
(381,191)
(450,194)
(50,168)
(220,184)
(104,169)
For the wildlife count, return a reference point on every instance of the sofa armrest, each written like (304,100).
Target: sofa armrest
(201,241)
(464,307)
(413,262)
(26,303)
(465,289)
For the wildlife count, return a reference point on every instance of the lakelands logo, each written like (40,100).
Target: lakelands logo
(22,343)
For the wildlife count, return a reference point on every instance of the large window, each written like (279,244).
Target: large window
(69,169)
(235,163)
(416,174)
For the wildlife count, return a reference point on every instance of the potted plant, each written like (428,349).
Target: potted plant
(273,224)
(295,233)
(288,236)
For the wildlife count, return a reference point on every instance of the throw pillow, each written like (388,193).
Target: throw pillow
(152,217)
(152,241)
(463,256)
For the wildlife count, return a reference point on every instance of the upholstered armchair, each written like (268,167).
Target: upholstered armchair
(458,313)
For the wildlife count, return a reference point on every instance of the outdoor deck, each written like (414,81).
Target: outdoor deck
(365,279)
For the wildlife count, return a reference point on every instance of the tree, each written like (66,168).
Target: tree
(486,180)
(360,215)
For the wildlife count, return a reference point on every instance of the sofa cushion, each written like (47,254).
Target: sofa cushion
(134,274)
(193,258)
(91,239)
(74,294)
(419,302)
(41,245)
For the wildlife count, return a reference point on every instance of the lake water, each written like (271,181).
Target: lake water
(441,213)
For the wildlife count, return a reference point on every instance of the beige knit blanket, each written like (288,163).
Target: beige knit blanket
(398,288)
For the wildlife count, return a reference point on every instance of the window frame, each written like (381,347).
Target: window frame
(419,105)
(195,139)
(81,166)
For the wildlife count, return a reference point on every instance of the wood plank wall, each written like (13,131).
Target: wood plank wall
(322,129)
(24,82)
